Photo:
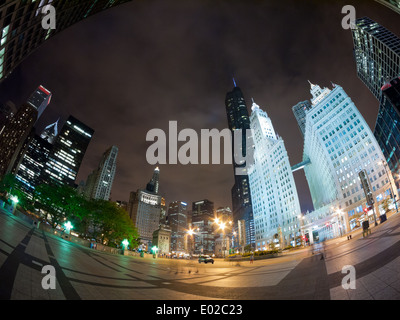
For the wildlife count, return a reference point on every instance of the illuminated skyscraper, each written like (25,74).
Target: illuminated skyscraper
(18,128)
(339,144)
(67,153)
(29,170)
(273,191)
(21,30)
(392,4)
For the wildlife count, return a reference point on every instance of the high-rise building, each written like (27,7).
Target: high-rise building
(144,208)
(238,119)
(202,224)
(67,153)
(29,170)
(50,132)
(387,127)
(40,99)
(99,182)
(13,136)
(7,111)
(299,111)
(273,191)
(21,30)
(339,144)
(391,4)
(177,221)
(377,54)
(17,129)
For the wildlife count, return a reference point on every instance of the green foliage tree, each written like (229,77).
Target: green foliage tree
(7,183)
(98,219)
(385,204)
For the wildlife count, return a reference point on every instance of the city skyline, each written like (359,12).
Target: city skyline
(73,93)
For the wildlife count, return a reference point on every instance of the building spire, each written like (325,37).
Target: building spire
(234,82)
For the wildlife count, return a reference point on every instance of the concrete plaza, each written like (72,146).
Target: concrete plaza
(83,273)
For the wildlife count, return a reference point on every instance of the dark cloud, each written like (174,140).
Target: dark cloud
(137,66)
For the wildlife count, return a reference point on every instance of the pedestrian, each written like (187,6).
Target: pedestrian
(251,258)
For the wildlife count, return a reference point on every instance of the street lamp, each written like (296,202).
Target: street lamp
(154,249)
(223,225)
(68,226)
(190,234)
(15,201)
(125,243)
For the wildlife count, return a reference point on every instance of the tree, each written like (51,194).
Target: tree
(385,204)
(7,183)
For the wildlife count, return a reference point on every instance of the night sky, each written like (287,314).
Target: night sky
(142,64)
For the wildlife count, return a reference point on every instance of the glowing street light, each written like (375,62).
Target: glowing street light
(68,226)
(15,201)
(125,243)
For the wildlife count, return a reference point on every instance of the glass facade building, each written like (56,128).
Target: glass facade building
(299,111)
(377,54)
(67,153)
(177,221)
(391,4)
(387,127)
(30,169)
(21,30)
(202,223)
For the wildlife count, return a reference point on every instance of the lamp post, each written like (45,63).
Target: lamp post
(125,244)
(189,234)
(222,225)
(68,226)
(384,164)
(15,201)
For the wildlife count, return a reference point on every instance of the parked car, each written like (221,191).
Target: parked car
(206,259)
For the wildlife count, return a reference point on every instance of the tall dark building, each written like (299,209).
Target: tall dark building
(387,127)
(7,111)
(299,111)
(29,170)
(21,28)
(67,153)
(202,223)
(18,128)
(40,99)
(13,136)
(177,221)
(377,54)
(238,118)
